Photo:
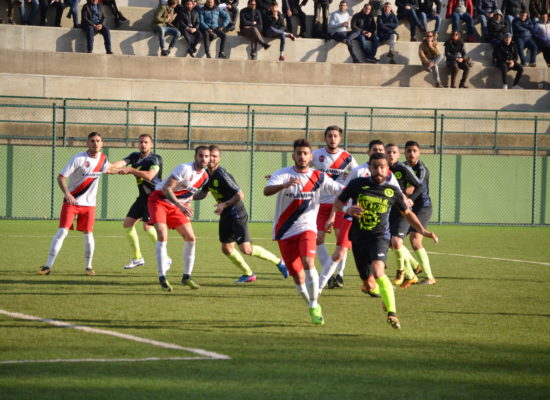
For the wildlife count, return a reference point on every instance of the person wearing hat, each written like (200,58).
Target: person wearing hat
(497,27)
(506,57)
(485,10)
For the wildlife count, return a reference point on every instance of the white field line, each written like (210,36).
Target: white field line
(204,354)
(489,258)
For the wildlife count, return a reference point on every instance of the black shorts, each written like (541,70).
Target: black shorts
(233,229)
(139,210)
(367,251)
(399,227)
(424,214)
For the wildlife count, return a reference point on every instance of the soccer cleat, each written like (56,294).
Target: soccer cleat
(316,314)
(418,269)
(135,263)
(164,284)
(393,321)
(246,279)
(339,281)
(282,268)
(427,281)
(370,292)
(191,283)
(90,272)
(44,270)
(409,282)
(331,283)
(399,277)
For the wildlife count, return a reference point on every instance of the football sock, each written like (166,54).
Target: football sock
(55,246)
(133,239)
(260,252)
(152,233)
(386,292)
(302,290)
(312,286)
(89,246)
(188,257)
(162,258)
(237,259)
(399,258)
(376,289)
(424,261)
(342,265)
(326,273)
(409,257)
(322,253)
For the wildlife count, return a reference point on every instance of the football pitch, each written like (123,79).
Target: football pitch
(483,332)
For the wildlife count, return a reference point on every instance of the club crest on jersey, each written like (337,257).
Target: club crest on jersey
(215,183)
(398,175)
(388,192)
(321,158)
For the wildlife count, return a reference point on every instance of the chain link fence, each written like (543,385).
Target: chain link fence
(487,166)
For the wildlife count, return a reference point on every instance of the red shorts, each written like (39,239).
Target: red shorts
(322,215)
(85,217)
(163,212)
(342,239)
(296,247)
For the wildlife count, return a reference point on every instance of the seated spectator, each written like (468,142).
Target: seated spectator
(275,28)
(497,28)
(462,10)
(506,54)
(542,37)
(232,9)
(320,18)
(93,22)
(27,11)
(485,10)
(188,23)
(251,27)
(406,9)
(163,25)
(294,7)
(338,28)
(430,56)
(119,18)
(363,25)
(45,5)
(210,16)
(522,27)
(512,8)
(537,8)
(456,59)
(426,12)
(386,23)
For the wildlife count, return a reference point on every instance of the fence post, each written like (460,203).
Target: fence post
(127,127)
(54,134)
(435,131)
(155,129)
(440,194)
(253,148)
(371,123)
(495,137)
(247,126)
(189,126)
(346,130)
(307,122)
(534,191)
(64,121)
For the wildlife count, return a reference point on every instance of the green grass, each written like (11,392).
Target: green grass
(481,332)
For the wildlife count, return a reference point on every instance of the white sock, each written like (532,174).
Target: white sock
(326,273)
(302,290)
(312,285)
(342,265)
(322,253)
(89,246)
(188,257)
(55,246)
(162,258)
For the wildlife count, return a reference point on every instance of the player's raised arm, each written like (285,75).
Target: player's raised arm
(412,219)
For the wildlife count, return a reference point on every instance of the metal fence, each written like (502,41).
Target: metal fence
(487,166)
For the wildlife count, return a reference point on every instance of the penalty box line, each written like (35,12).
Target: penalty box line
(202,354)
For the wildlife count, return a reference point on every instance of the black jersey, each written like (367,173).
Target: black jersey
(223,187)
(423,174)
(406,177)
(376,201)
(152,161)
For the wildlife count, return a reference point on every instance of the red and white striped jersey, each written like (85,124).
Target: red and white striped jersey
(337,165)
(189,180)
(297,205)
(82,173)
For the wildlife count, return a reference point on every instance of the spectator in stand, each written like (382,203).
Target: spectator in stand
(294,7)
(537,8)
(11,5)
(210,16)
(542,37)
(462,10)
(119,18)
(27,11)
(93,22)
(386,23)
(485,10)
(430,55)
(363,26)
(427,12)
(251,27)
(497,28)
(506,54)
(406,9)
(338,28)
(456,59)
(320,18)
(73,11)
(163,25)
(275,28)
(44,5)
(522,28)
(232,9)
(512,8)
(188,23)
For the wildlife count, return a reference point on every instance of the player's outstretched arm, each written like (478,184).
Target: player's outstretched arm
(115,167)
(412,219)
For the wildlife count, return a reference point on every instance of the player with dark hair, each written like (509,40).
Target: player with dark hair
(372,198)
(169,209)
(147,168)
(233,226)
(298,190)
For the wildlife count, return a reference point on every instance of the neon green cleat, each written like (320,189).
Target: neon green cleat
(399,277)
(316,314)
(164,284)
(191,283)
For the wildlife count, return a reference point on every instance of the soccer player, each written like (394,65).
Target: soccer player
(337,163)
(423,209)
(147,168)
(298,190)
(82,173)
(233,226)
(399,227)
(372,198)
(169,209)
